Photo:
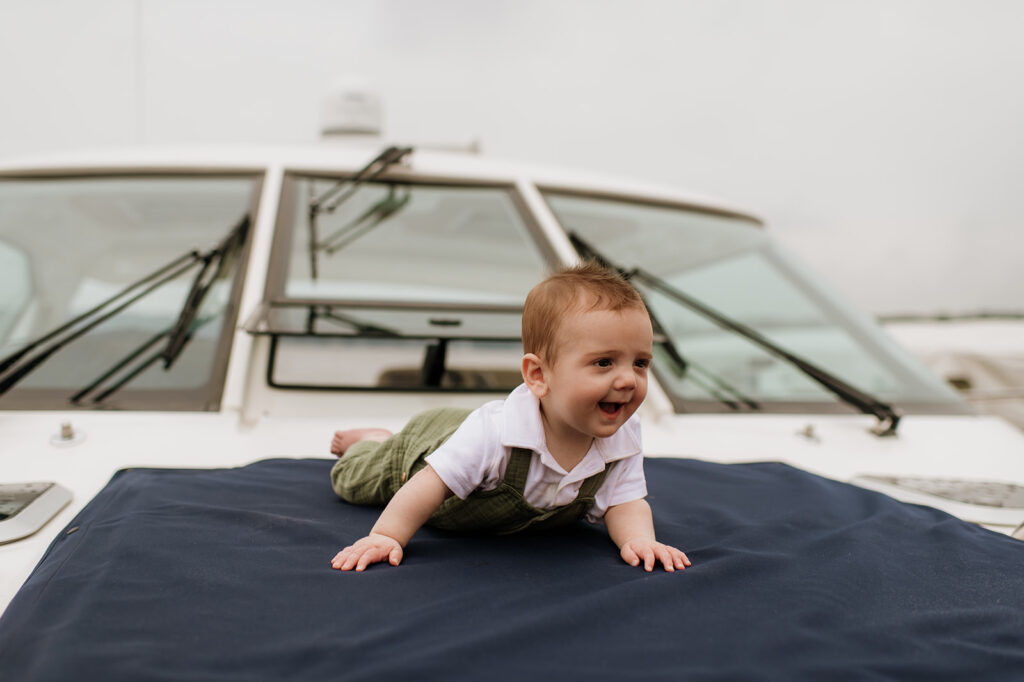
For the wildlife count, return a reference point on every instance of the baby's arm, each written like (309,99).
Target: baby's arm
(631,528)
(409,509)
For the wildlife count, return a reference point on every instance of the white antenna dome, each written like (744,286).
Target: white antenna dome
(351,108)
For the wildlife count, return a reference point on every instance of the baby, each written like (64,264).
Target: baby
(562,446)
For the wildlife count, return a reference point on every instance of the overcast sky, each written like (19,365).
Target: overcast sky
(879,139)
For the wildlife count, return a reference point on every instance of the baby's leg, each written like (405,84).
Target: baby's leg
(375,467)
(365,474)
(343,440)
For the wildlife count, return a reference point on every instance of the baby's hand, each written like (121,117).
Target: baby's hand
(651,552)
(370,550)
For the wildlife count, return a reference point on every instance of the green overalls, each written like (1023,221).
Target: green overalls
(371,473)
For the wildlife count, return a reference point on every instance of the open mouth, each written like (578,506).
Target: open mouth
(610,410)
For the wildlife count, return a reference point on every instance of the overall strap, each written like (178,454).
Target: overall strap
(519,466)
(590,485)
(517,469)
(505,509)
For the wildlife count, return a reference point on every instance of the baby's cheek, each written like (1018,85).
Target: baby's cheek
(641,389)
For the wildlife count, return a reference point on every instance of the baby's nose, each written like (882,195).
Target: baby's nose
(625,379)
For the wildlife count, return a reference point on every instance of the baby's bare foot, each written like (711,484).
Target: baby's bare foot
(343,440)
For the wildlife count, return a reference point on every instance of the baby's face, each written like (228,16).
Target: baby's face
(599,377)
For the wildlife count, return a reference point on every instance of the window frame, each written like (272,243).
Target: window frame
(205,398)
(281,253)
(284,227)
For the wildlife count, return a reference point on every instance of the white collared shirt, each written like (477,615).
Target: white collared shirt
(476,455)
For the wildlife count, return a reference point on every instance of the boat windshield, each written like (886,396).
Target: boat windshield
(119,256)
(416,285)
(728,263)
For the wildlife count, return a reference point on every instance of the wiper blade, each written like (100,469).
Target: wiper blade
(376,214)
(888,418)
(682,367)
(126,361)
(720,389)
(327,312)
(11,372)
(332,198)
(329,201)
(118,366)
(213,264)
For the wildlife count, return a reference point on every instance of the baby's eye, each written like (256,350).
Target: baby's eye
(603,362)
(642,364)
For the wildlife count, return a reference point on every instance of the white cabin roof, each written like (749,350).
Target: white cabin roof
(331,156)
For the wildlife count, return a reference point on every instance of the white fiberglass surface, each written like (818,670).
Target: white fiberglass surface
(69,244)
(730,265)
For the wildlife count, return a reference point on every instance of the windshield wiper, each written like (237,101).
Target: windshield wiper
(181,332)
(719,389)
(19,364)
(213,263)
(370,218)
(681,367)
(329,201)
(12,373)
(127,360)
(888,418)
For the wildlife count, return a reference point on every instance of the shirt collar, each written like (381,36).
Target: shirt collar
(523,429)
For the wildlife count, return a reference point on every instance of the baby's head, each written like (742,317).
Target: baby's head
(557,301)
(587,340)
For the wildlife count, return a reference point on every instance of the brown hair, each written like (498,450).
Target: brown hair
(579,288)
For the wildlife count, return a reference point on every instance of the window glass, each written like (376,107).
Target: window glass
(449,266)
(17,288)
(395,242)
(79,242)
(727,263)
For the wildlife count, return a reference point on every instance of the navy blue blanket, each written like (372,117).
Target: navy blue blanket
(225,575)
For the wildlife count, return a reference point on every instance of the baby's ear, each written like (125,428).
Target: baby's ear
(534,375)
